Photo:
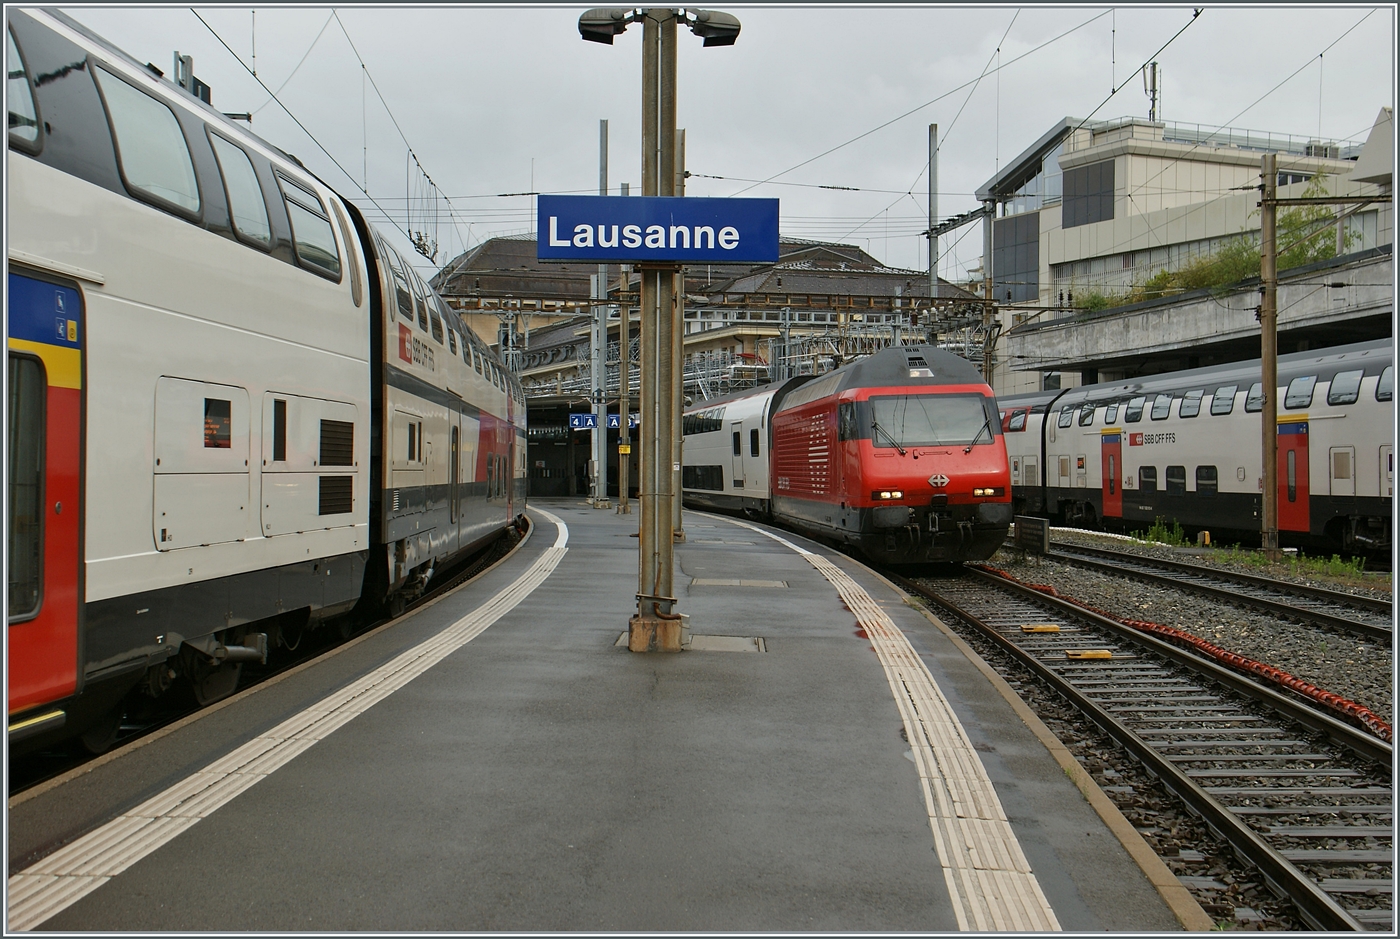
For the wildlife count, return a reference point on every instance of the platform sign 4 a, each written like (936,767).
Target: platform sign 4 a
(585,421)
(661,229)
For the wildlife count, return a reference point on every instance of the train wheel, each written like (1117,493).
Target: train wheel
(100,736)
(211,684)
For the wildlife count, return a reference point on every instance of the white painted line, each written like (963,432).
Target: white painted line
(75,870)
(989,880)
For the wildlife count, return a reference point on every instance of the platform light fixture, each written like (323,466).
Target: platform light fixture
(603,23)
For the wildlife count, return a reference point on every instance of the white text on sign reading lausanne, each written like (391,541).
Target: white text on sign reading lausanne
(632,236)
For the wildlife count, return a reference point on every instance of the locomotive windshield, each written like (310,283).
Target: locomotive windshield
(929,420)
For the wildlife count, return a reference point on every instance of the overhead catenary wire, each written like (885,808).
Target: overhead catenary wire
(294,118)
(294,71)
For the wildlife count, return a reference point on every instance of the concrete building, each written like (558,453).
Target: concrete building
(1093,209)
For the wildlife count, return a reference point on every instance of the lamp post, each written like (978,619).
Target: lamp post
(656,627)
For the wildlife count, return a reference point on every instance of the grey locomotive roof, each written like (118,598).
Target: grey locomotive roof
(892,367)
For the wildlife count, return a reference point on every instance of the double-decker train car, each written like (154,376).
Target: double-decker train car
(234,412)
(1186,447)
(899,454)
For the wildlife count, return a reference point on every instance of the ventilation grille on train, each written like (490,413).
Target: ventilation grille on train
(337,495)
(337,443)
(918,367)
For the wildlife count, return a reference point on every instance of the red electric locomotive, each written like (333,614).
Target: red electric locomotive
(899,454)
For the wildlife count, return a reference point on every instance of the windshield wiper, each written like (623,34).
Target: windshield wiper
(889,436)
(987,429)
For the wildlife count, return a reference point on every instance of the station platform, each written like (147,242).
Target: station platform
(822,757)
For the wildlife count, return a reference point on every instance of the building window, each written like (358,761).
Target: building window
(1088,194)
(1016,257)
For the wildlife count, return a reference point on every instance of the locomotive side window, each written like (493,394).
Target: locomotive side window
(152,154)
(1207,481)
(1110,413)
(1191,403)
(311,230)
(1344,388)
(24,118)
(25,418)
(753,443)
(1386,384)
(845,422)
(1134,412)
(1161,407)
(1222,400)
(1086,415)
(1066,417)
(279,430)
(1018,421)
(1300,392)
(245,198)
(1255,400)
(1147,479)
(1176,480)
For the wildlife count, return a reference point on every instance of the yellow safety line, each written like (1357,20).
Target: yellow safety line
(63,878)
(989,880)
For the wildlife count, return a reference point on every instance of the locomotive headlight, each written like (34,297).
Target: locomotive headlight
(884,495)
(989,492)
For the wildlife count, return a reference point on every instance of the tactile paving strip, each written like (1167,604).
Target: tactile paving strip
(991,884)
(75,870)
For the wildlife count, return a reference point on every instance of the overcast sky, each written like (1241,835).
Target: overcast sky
(507,99)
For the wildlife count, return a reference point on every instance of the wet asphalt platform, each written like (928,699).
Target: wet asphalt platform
(497,761)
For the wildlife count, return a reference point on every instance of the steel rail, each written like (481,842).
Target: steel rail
(1115,562)
(1314,905)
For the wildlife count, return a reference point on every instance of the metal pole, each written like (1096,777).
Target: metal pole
(932,214)
(599,350)
(988,218)
(1268,347)
(655,627)
(624,391)
(677,352)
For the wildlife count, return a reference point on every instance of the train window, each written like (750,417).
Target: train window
(1385,384)
(24,118)
(1254,401)
(1300,392)
(1147,479)
(452,341)
(1207,481)
(753,443)
(846,428)
(424,296)
(356,291)
(25,414)
(1110,413)
(1066,417)
(245,198)
(311,230)
(476,360)
(152,154)
(1176,480)
(1018,421)
(279,430)
(1222,400)
(1191,403)
(737,448)
(1134,412)
(218,424)
(1344,388)
(1161,407)
(402,297)
(1086,415)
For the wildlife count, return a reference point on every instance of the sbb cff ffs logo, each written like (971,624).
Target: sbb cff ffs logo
(412,349)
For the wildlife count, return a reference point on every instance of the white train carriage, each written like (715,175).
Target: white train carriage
(1185,446)
(726,451)
(220,326)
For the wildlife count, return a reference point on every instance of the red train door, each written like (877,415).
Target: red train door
(1293,475)
(1111,449)
(44,426)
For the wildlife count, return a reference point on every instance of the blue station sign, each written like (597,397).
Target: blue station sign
(663,229)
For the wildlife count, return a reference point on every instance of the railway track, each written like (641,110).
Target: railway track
(147,717)
(1367,617)
(1298,794)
